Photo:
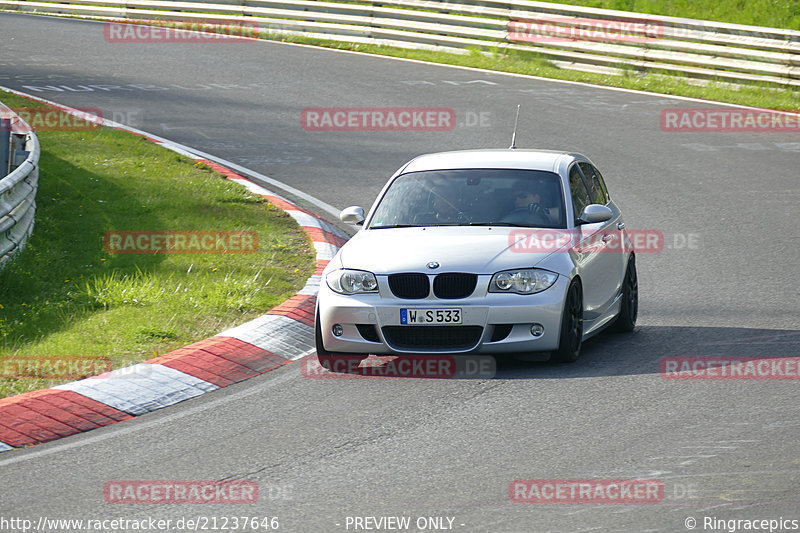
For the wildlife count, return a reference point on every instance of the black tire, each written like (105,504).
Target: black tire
(629,310)
(333,361)
(571,337)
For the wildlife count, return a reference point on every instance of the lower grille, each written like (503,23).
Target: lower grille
(368,332)
(432,337)
(501,331)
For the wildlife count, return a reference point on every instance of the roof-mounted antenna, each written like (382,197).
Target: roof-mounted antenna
(514,135)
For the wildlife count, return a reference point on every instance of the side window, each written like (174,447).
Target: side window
(580,196)
(597,189)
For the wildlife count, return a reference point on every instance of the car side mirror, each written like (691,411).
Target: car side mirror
(352,215)
(595,213)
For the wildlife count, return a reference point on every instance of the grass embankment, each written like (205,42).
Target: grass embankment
(775,14)
(64,295)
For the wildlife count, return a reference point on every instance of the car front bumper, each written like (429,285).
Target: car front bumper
(492,323)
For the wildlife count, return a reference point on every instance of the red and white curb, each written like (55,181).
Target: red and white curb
(284,334)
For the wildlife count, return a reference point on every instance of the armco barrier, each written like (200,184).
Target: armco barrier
(19,165)
(597,40)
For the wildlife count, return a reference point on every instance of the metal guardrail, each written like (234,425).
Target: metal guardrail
(686,47)
(19,164)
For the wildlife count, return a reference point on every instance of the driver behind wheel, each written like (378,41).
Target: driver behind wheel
(529,208)
(524,198)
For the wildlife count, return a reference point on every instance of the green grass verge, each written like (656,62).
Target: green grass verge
(64,295)
(772,13)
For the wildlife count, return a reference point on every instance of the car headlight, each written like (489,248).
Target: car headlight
(524,281)
(346,281)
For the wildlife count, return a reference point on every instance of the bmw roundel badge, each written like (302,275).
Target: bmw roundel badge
(433,264)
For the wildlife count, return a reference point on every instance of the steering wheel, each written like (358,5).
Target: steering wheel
(537,210)
(532,214)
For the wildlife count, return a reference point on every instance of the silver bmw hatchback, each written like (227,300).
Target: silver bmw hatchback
(480,252)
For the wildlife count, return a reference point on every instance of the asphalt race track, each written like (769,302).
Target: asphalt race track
(324,450)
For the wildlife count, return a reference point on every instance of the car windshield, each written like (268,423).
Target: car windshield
(472,197)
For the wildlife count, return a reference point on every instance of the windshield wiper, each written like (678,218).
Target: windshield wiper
(510,224)
(397,226)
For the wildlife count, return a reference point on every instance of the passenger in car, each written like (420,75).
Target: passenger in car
(441,206)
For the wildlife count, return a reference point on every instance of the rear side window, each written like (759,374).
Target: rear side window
(597,189)
(580,196)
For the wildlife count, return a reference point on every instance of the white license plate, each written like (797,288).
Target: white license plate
(430,316)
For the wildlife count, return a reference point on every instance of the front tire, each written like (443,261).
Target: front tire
(629,309)
(571,338)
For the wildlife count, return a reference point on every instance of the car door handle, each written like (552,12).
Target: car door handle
(607,237)
(620,225)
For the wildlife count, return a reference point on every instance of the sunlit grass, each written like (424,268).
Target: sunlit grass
(771,13)
(65,295)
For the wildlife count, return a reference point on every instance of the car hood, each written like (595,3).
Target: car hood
(481,250)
